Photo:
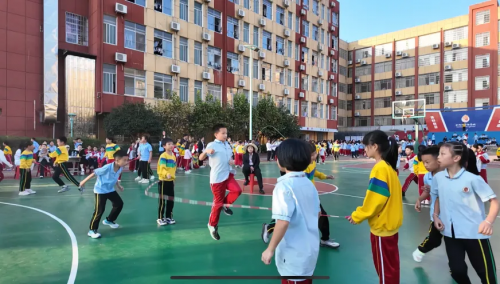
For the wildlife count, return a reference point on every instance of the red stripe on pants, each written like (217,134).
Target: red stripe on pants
(307,281)
(187,164)
(385,254)
(220,198)
(409,179)
(482,173)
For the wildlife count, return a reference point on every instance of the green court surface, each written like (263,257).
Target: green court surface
(36,248)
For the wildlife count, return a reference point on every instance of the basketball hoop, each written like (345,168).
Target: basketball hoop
(405,117)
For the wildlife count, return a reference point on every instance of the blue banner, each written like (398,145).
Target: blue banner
(475,120)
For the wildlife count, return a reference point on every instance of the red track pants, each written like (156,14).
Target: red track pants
(385,253)
(220,198)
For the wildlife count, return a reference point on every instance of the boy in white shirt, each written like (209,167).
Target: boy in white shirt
(296,210)
(187,159)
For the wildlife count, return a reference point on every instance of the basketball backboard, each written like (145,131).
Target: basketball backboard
(408,109)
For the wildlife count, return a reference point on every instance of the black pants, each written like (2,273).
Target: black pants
(273,154)
(317,158)
(432,241)
(144,170)
(92,162)
(166,199)
(24,179)
(256,171)
(62,169)
(323,225)
(42,166)
(336,155)
(480,256)
(100,206)
(136,165)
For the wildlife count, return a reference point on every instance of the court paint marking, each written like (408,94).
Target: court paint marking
(74,244)
(319,192)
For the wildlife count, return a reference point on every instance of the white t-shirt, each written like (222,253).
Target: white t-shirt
(296,200)
(187,154)
(268,146)
(17,157)
(321,151)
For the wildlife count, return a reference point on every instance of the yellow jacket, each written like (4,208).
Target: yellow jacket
(26,159)
(111,150)
(311,172)
(240,149)
(7,150)
(418,167)
(60,154)
(498,151)
(383,204)
(166,165)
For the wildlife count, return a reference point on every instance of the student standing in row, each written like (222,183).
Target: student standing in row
(166,176)
(61,157)
(25,170)
(145,155)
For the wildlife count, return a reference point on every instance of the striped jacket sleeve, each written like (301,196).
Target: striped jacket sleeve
(319,175)
(415,166)
(376,196)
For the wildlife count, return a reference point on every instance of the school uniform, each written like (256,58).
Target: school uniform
(336,150)
(484,160)
(3,161)
(322,153)
(411,177)
(25,172)
(353,151)
(61,157)
(187,160)
(166,165)
(433,240)
(104,190)
(461,203)
(145,151)
(110,152)
(420,171)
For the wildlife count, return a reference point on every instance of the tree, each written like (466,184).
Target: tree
(174,116)
(274,122)
(238,117)
(132,120)
(205,115)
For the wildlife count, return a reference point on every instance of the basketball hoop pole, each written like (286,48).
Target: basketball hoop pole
(416,138)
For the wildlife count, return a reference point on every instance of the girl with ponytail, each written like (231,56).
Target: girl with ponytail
(383,206)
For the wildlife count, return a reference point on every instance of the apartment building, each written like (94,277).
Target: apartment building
(73,61)
(451,63)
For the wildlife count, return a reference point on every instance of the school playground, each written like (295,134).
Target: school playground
(43,237)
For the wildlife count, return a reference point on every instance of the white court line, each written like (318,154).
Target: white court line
(74,245)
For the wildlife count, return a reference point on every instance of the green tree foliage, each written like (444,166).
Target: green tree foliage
(174,116)
(237,117)
(132,120)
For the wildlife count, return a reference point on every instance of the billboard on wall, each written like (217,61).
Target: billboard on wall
(454,121)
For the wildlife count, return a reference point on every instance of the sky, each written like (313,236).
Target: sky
(361,19)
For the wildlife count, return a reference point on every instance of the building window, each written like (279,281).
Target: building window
(383,85)
(482,17)
(183,89)
(382,120)
(429,59)
(214,58)
(290,20)
(304,54)
(456,34)
(237,2)
(246,32)
(456,76)
(381,50)
(289,49)
(280,45)
(198,90)
(335,19)
(455,55)
(280,15)
(362,121)
(305,28)
(305,82)
(183,49)
(455,97)
(214,20)
(266,71)
(364,53)
(364,87)
(289,77)
(485,102)
(321,86)
(315,33)
(314,110)
(333,89)
(232,28)
(297,24)
(333,112)
(296,107)
(138,2)
(267,9)
(109,29)
(483,39)
(256,6)
(430,98)
(183,10)
(246,66)
(164,6)
(315,7)
(289,105)
(404,45)
(164,45)
(343,53)
(297,50)
(429,40)
(405,82)
(135,82)
(198,53)
(343,71)
(255,70)
(233,64)
(135,36)
(383,67)
(266,40)
(428,79)
(482,61)
(482,83)
(215,91)
(314,84)
(163,86)
(364,70)
(304,108)
(349,89)
(255,99)
(334,65)
(246,4)
(77,29)
(406,63)
(279,75)
(198,14)
(109,80)
(382,102)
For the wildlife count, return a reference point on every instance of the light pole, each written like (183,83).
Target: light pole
(71,117)
(250,95)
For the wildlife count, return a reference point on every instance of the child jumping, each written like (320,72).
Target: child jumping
(166,175)
(61,157)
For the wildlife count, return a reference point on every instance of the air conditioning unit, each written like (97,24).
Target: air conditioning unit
(286,3)
(399,74)
(206,36)
(399,53)
(320,73)
(405,55)
(286,92)
(332,28)
(302,39)
(286,62)
(120,8)
(241,12)
(331,101)
(357,80)
(175,69)
(435,46)
(206,76)
(332,77)
(262,22)
(262,54)
(455,45)
(363,62)
(357,97)
(241,48)
(447,68)
(448,88)
(320,47)
(301,95)
(357,114)
(349,62)
(320,98)
(287,33)
(120,57)
(241,83)
(332,4)
(303,12)
(262,87)
(398,93)
(332,52)
(302,67)
(387,55)
(175,26)
(320,22)
(358,61)
(448,43)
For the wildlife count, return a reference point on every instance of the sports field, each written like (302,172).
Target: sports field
(43,237)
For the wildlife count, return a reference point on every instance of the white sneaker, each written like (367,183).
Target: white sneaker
(144,181)
(329,243)
(161,222)
(418,255)
(265,233)
(82,173)
(135,171)
(93,234)
(111,224)
(152,178)
(426,202)
(201,167)
(30,191)
(138,179)
(169,221)
(188,172)
(24,193)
